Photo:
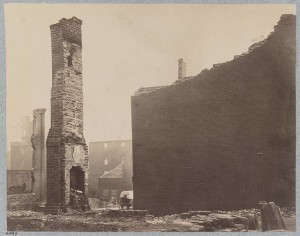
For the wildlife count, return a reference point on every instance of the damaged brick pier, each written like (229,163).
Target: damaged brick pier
(67,152)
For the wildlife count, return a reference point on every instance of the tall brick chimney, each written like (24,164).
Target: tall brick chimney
(67,152)
(181,69)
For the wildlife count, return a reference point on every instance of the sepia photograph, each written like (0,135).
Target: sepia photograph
(150,117)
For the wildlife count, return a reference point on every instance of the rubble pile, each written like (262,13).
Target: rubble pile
(209,221)
(217,222)
(24,213)
(124,213)
(29,221)
(19,202)
(288,211)
(189,214)
(116,220)
(94,204)
(78,201)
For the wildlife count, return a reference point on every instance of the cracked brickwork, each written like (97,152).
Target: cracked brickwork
(66,146)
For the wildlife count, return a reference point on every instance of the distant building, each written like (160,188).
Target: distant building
(8,161)
(110,168)
(224,139)
(26,163)
(19,160)
(21,152)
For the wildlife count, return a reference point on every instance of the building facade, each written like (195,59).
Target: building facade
(20,156)
(223,139)
(19,161)
(110,168)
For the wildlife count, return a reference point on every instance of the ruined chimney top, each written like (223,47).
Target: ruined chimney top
(181,69)
(73,19)
(67,29)
(64,21)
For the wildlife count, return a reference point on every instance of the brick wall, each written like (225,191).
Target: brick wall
(224,139)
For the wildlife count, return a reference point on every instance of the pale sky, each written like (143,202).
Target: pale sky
(125,47)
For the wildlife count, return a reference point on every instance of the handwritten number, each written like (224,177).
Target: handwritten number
(12,233)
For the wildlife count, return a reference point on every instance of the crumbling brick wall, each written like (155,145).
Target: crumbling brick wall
(66,146)
(224,139)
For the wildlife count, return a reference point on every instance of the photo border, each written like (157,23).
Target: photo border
(3,185)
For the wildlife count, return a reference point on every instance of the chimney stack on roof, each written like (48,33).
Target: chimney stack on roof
(181,69)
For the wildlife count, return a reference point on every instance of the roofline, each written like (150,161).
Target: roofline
(250,50)
(111,171)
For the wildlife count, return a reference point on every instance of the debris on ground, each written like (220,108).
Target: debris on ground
(78,201)
(19,202)
(116,220)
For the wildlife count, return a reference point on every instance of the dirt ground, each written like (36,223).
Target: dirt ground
(101,221)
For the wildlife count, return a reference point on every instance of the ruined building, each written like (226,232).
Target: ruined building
(21,152)
(223,139)
(39,161)
(19,161)
(32,178)
(110,169)
(67,153)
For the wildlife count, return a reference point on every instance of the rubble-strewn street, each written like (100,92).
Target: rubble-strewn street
(108,220)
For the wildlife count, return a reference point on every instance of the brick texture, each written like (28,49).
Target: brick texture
(66,146)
